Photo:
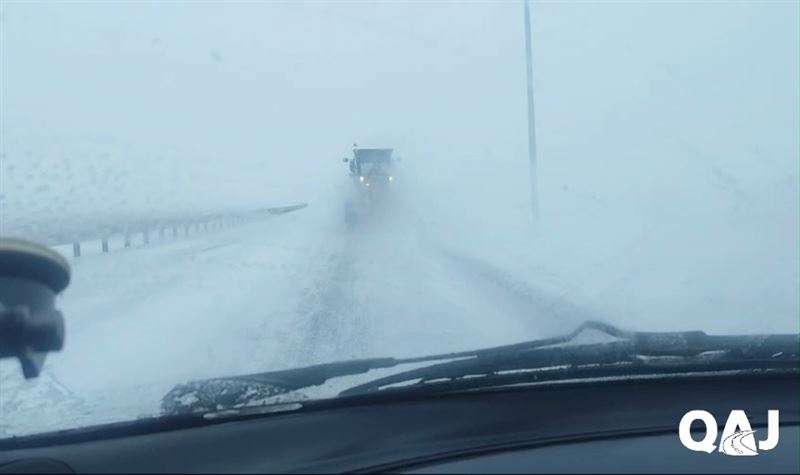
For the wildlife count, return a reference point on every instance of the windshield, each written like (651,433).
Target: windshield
(187,159)
(373,167)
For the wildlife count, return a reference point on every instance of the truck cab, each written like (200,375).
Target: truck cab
(371,167)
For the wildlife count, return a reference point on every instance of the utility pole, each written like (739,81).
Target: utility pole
(531,117)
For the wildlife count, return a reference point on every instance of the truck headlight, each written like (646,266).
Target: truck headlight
(361,178)
(391,178)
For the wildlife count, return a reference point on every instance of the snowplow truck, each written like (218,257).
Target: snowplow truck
(371,173)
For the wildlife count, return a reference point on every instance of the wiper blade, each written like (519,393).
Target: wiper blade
(233,391)
(634,353)
(236,391)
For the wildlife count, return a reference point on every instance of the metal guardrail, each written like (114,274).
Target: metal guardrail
(281,209)
(77,233)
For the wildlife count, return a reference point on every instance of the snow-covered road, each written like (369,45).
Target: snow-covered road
(286,291)
(305,288)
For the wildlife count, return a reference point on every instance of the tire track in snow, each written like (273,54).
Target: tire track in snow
(547,312)
(331,316)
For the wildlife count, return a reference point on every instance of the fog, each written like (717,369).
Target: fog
(667,174)
(646,106)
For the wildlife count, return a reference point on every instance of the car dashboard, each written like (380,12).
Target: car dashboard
(622,426)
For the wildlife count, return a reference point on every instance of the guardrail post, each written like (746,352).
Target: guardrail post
(202,223)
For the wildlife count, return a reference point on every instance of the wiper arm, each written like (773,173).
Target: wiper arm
(298,378)
(232,391)
(633,353)
(212,394)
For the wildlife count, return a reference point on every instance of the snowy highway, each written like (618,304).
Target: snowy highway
(287,291)
(304,288)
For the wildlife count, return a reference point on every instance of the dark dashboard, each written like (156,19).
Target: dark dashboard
(627,425)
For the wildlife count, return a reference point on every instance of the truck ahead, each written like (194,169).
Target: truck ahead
(371,170)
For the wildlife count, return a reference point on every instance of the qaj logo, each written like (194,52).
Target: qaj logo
(738,438)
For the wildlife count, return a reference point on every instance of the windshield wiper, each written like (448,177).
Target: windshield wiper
(629,353)
(235,391)
(632,354)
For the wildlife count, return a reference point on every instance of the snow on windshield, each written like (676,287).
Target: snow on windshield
(667,181)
